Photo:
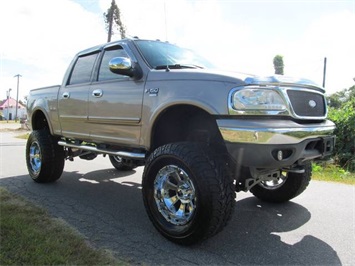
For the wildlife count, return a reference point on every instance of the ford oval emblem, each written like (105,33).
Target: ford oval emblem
(312,103)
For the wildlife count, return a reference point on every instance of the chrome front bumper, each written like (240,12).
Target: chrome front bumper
(271,131)
(258,143)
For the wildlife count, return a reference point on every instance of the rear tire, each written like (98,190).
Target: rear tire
(188,194)
(120,164)
(290,186)
(44,157)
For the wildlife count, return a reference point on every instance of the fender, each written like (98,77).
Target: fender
(45,108)
(150,122)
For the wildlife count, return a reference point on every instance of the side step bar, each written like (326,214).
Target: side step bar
(123,154)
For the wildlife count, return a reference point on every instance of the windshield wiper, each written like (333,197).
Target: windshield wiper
(177,66)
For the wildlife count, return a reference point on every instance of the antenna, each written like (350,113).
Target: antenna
(166,22)
(324,70)
(166,36)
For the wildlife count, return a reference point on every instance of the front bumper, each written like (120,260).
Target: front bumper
(276,143)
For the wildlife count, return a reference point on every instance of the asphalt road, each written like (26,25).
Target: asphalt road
(317,228)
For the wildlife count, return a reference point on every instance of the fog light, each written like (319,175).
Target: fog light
(279,155)
(282,155)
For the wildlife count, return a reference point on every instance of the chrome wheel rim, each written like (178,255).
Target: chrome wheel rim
(35,157)
(117,159)
(175,195)
(274,183)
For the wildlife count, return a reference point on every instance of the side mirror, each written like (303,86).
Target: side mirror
(123,66)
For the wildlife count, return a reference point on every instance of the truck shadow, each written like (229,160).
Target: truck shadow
(260,234)
(106,206)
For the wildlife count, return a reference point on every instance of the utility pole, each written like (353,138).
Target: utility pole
(113,18)
(18,81)
(8,104)
(110,14)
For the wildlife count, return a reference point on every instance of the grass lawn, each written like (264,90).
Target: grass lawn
(29,236)
(23,136)
(332,173)
(9,122)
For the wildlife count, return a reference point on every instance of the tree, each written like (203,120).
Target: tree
(336,100)
(113,16)
(279,64)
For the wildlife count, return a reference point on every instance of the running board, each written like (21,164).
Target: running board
(123,154)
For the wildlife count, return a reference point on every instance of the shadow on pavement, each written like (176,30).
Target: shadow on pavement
(252,237)
(106,206)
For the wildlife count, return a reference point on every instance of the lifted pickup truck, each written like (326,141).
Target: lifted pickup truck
(201,134)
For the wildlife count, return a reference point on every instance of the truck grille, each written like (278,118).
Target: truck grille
(307,104)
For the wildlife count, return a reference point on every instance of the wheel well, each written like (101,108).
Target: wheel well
(39,121)
(185,123)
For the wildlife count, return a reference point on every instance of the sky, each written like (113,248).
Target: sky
(39,38)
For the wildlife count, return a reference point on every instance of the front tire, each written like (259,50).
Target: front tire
(188,194)
(289,186)
(44,157)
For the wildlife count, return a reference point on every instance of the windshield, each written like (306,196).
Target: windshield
(160,54)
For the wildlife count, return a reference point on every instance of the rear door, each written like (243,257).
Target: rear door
(73,98)
(115,103)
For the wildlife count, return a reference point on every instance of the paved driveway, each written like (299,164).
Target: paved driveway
(105,205)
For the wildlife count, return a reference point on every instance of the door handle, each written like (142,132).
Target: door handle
(97,93)
(66,95)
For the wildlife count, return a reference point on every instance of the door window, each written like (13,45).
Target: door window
(83,69)
(104,72)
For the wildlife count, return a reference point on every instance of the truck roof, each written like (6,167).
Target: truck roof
(104,45)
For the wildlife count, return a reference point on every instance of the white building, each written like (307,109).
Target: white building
(8,108)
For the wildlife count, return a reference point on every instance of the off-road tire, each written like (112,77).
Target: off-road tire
(120,165)
(44,157)
(294,185)
(212,204)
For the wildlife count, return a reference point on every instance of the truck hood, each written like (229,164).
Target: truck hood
(236,78)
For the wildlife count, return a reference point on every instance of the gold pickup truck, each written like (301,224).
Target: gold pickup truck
(202,134)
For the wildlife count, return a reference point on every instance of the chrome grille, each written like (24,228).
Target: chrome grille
(307,104)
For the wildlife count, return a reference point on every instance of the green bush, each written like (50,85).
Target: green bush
(344,118)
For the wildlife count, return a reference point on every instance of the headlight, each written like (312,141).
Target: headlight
(258,99)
